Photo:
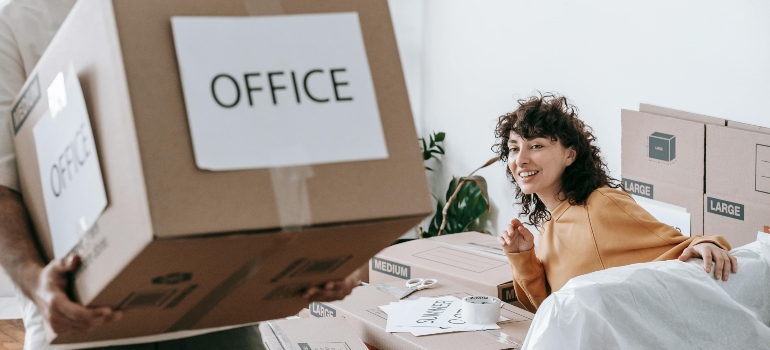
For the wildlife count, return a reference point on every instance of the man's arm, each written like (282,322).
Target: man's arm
(44,284)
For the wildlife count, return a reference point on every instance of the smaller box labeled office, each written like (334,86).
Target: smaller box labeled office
(662,157)
(737,200)
(181,243)
(472,259)
(361,310)
(310,334)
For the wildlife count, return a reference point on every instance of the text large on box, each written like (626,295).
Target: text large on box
(277,91)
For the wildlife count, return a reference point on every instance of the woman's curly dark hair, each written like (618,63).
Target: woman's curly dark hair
(552,116)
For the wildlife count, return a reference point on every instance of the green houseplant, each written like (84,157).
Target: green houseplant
(466,197)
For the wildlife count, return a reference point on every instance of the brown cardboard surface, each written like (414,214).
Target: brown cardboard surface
(734,218)
(170,222)
(738,163)
(690,199)
(361,311)
(669,112)
(685,168)
(310,334)
(472,259)
(180,195)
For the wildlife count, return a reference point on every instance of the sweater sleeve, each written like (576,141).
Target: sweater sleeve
(529,280)
(643,238)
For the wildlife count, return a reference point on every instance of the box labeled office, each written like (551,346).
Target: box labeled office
(472,259)
(179,245)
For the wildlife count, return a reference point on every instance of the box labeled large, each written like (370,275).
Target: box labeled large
(738,162)
(472,259)
(736,219)
(331,333)
(662,157)
(182,243)
(361,310)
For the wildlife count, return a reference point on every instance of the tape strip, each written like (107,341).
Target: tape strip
(481,309)
(289,183)
(291,196)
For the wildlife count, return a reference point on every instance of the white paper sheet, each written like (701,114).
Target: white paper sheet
(675,216)
(277,91)
(427,316)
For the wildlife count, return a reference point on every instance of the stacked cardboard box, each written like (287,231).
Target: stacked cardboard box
(181,247)
(310,334)
(472,259)
(737,199)
(361,310)
(663,152)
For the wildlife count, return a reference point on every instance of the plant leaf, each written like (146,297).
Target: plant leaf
(481,183)
(440,136)
(441,150)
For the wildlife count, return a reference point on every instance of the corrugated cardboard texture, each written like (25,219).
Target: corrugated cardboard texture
(738,164)
(361,311)
(690,199)
(181,196)
(685,170)
(471,259)
(668,112)
(314,333)
(734,218)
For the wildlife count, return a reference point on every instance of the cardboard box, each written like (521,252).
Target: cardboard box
(662,157)
(310,334)
(472,259)
(691,199)
(736,219)
(178,247)
(737,200)
(361,310)
(738,162)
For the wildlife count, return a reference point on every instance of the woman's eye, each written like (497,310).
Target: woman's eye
(537,146)
(513,149)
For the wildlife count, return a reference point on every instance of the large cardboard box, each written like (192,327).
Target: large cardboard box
(472,259)
(737,201)
(361,310)
(178,247)
(662,157)
(310,334)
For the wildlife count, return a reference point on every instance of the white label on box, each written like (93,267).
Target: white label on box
(277,91)
(673,215)
(70,175)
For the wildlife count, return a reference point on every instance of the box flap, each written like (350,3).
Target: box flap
(668,112)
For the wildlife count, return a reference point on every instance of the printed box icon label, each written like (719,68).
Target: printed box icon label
(762,176)
(662,146)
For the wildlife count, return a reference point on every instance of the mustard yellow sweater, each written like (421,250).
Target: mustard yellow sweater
(609,230)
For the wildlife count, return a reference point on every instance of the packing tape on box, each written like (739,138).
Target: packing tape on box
(289,183)
(481,309)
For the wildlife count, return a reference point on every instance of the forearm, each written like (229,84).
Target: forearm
(21,257)
(528,279)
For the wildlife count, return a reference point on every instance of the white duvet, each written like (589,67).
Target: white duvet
(661,305)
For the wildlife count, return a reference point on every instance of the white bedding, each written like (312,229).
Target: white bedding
(661,305)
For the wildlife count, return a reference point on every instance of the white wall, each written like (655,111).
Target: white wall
(704,56)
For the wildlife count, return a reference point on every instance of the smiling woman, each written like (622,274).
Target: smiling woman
(586,221)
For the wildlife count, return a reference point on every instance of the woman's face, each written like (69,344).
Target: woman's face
(537,164)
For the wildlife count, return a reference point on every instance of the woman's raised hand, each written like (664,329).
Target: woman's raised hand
(516,238)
